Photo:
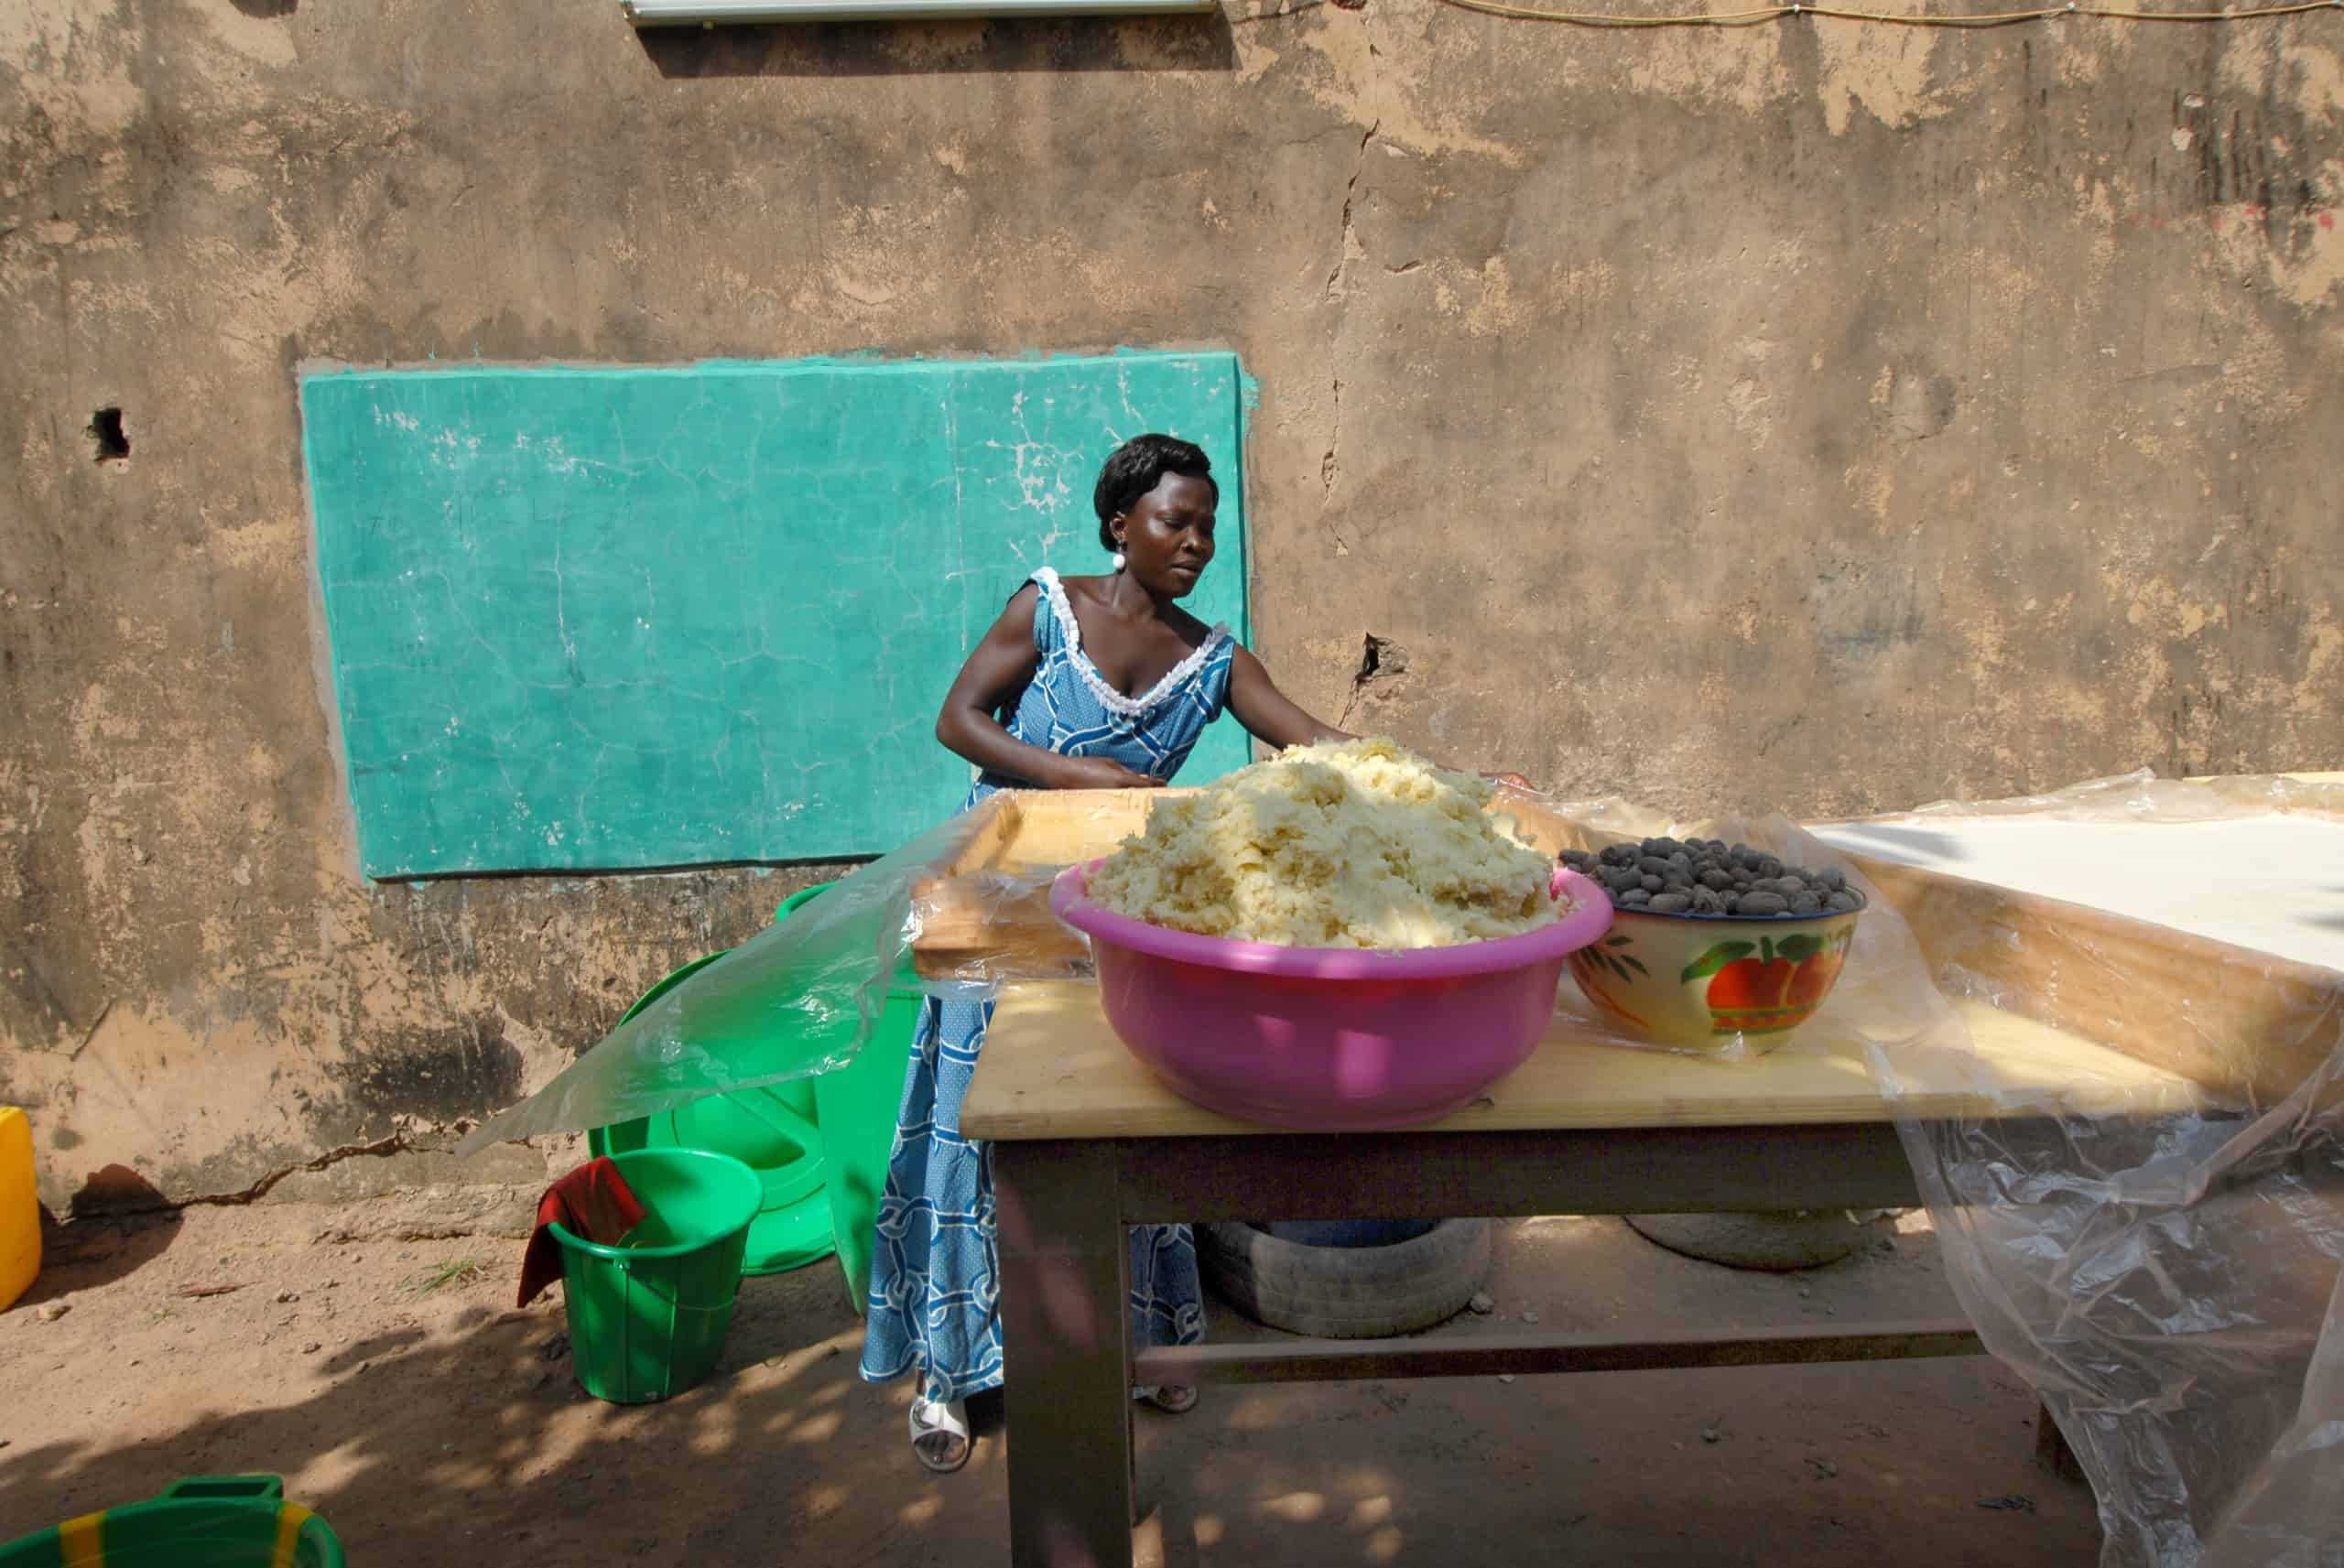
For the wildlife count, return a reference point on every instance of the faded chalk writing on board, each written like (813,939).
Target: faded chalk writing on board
(603,619)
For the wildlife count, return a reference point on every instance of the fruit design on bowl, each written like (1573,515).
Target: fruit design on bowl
(1701,980)
(1767,986)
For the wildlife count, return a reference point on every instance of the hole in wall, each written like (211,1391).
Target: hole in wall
(112,441)
(1380,659)
(1381,656)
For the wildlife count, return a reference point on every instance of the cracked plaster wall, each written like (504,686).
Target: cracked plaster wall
(1809,415)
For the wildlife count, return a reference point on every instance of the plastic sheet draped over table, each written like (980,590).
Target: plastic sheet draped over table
(799,997)
(2166,1279)
(2168,1283)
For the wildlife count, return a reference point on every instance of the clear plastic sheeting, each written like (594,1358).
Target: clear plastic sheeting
(2256,863)
(803,996)
(2168,1282)
(2159,1259)
(2144,798)
(799,997)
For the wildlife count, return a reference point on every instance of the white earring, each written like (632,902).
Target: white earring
(1119,560)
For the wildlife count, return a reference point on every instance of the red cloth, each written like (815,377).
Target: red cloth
(593,1202)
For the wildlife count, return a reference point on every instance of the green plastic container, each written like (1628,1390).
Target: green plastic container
(204,1521)
(856,1106)
(772,1131)
(647,1318)
(818,1145)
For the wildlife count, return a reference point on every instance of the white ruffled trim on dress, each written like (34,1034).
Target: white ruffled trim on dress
(1114,701)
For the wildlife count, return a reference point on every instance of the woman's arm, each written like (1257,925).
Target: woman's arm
(999,668)
(1268,714)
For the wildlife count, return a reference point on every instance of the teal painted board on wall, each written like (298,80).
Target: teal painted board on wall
(601,618)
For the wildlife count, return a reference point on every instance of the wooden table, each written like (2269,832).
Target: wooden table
(1086,1143)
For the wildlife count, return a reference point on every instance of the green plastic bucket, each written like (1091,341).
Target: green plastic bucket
(204,1521)
(647,1318)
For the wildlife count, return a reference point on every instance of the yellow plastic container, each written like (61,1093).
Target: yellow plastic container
(19,1209)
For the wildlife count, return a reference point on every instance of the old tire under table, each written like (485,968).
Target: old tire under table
(1347,1293)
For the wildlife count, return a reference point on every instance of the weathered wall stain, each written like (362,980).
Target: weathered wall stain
(1809,415)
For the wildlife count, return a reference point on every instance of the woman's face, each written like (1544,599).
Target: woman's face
(1167,535)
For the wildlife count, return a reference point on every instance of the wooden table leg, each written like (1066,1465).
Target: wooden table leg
(2051,1450)
(1065,1343)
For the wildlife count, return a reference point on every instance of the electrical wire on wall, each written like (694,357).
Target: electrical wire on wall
(1764,13)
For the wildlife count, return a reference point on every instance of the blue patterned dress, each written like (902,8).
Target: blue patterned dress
(933,1271)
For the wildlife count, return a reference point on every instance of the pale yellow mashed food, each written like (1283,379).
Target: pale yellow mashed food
(1350,844)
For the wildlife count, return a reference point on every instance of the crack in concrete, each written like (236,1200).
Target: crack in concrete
(1328,466)
(91,1033)
(1338,293)
(381,1148)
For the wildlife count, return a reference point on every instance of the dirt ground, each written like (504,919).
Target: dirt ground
(393,1387)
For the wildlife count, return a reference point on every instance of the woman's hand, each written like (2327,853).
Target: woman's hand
(1098,773)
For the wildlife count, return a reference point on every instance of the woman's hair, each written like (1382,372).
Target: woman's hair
(1137,467)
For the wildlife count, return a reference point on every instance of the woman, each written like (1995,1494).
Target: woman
(1084,682)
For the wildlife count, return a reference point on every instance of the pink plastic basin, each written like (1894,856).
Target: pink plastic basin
(1328,1039)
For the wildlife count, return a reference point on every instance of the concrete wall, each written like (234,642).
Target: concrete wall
(1811,414)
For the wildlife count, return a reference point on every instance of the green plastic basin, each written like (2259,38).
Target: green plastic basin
(204,1521)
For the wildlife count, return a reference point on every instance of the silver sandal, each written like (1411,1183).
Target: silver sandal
(941,1439)
(1172,1398)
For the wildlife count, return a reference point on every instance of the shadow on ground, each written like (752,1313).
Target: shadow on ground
(468,1439)
(441,1429)
(91,1254)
